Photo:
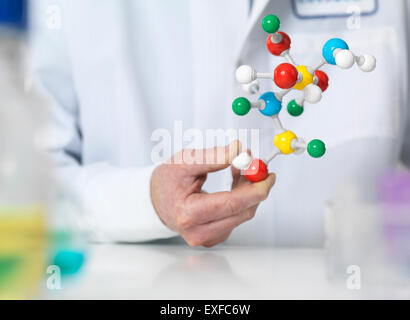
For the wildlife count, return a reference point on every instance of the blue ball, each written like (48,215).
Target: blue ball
(272,104)
(331,46)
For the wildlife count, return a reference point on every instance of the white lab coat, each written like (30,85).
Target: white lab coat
(119,70)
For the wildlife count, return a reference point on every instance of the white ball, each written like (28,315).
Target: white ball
(251,88)
(242,161)
(245,74)
(345,59)
(313,94)
(367,63)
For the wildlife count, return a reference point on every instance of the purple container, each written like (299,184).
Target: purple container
(395,199)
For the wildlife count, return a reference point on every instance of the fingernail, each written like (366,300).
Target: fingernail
(234,149)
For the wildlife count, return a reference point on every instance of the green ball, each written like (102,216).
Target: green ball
(294,109)
(241,106)
(271,24)
(316,148)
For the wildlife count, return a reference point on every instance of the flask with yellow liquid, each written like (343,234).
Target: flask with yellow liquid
(24,172)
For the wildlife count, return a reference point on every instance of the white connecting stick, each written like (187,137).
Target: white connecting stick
(286,54)
(320,64)
(260,104)
(280,95)
(299,145)
(278,124)
(272,156)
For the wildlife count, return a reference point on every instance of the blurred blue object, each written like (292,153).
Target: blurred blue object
(70,261)
(13,13)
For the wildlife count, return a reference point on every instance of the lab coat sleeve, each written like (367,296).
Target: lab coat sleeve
(116,201)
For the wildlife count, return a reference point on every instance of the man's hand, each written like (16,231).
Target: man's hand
(204,219)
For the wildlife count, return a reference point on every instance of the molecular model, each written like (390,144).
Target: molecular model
(289,76)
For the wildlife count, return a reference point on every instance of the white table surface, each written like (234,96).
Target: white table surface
(153,271)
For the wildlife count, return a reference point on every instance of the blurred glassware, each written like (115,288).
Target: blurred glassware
(371,235)
(24,171)
(395,200)
(38,225)
(68,234)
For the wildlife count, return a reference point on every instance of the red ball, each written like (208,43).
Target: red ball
(285,76)
(258,171)
(278,48)
(323,80)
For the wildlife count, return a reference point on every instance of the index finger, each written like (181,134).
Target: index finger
(200,162)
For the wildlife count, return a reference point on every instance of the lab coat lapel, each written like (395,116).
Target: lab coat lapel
(258,8)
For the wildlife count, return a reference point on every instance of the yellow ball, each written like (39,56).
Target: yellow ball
(284,142)
(307,78)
